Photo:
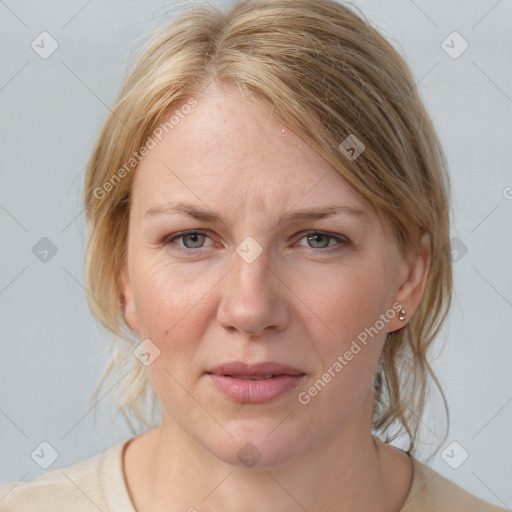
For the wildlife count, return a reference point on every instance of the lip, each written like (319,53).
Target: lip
(252,370)
(228,378)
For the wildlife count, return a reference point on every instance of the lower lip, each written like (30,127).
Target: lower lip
(255,391)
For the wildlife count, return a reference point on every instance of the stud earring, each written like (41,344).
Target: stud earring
(401,316)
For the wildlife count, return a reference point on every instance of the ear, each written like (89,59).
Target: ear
(412,283)
(128,304)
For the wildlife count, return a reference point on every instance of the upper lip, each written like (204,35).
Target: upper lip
(266,368)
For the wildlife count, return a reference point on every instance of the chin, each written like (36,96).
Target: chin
(257,444)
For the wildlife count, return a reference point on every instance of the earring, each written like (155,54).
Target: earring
(401,317)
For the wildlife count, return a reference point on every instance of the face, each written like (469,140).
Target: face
(246,248)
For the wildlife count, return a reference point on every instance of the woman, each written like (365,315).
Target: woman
(269,218)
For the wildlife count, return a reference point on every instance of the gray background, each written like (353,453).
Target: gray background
(51,110)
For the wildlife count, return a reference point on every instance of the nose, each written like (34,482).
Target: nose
(253,299)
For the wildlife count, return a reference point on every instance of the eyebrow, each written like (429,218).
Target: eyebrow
(288,218)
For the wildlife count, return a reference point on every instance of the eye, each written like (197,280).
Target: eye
(195,240)
(319,240)
(190,240)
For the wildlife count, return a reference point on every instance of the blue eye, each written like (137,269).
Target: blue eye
(193,241)
(319,240)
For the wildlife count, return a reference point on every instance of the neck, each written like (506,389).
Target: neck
(345,472)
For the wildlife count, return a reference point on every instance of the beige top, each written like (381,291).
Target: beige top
(98,483)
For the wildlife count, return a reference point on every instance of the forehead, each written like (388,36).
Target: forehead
(229,151)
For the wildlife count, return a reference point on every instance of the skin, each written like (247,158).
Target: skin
(296,304)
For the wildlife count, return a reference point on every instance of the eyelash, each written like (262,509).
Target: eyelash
(342,240)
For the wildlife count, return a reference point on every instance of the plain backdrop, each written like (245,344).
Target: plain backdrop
(51,110)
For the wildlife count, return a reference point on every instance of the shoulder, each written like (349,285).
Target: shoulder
(79,487)
(431,492)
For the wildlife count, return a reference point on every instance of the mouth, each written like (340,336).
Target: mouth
(266,370)
(251,377)
(254,383)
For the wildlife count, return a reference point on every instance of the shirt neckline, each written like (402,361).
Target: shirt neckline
(117,497)
(112,479)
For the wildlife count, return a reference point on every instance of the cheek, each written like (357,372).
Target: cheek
(347,300)
(171,308)
(166,298)
(350,337)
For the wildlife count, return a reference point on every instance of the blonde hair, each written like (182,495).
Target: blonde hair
(328,74)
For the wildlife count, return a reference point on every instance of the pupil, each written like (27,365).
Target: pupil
(318,239)
(195,239)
